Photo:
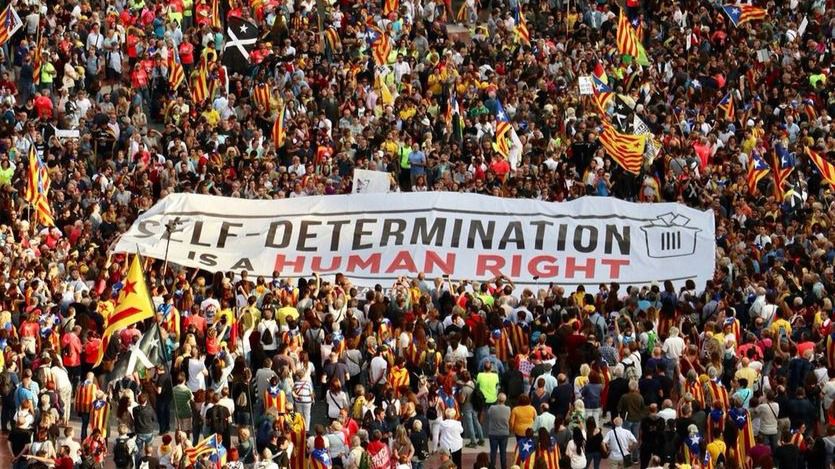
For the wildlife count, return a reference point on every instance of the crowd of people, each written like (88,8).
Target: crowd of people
(736,373)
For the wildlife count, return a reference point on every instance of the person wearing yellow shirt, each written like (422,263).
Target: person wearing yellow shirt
(212,116)
(522,416)
(747,373)
(717,449)
(250,315)
(781,327)
(6,172)
(286,311)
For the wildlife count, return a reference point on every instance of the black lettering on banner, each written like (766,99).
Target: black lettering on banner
(456,232)
(513,229)
(305,234)
(359,232)
(337,230)
(486,236)
(208,260)
(225,234)
(540,233)
(243,264)
(389,231)
(143,228)
(578,238)
(195,235)
(437,232)
(562,234)
(624,239)
(287,229)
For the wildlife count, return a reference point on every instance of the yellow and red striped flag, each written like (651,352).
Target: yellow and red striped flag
(207,446)
(826,168)
(199,83)
(390,6)
(133,305)
(9,24)
(37,188)
(176,72)
(216,20)
(279,132)
(261,95)
(627,150)
(626,38)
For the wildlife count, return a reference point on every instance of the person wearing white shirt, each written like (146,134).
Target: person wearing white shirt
(667,411)
(450,436)
(401,68)
(69,442)
(618,443)
(378,369)
(64,387)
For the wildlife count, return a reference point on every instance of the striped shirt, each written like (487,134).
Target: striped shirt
(302,392)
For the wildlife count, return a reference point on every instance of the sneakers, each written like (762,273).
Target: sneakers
(472,445)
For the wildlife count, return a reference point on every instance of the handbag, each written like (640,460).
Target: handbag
(627,457)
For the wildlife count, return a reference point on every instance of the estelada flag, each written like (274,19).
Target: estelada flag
(133,305)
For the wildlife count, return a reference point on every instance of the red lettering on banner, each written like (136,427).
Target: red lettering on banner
(402,261)
(515,266)
(614,266)
(549,269)
(370,263)
(571,267)
(489,263)
(317,266)
(282,263)
(433,260)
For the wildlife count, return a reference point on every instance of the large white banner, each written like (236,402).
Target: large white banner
(375,238)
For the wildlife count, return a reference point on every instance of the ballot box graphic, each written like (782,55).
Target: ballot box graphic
(669,236)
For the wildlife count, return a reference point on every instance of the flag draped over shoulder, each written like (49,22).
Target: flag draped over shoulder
(200,81)
(627,150)
(826,168)
(37,188)
(261,95)
(319,459)
(133,305)
(525,453)
(390,6)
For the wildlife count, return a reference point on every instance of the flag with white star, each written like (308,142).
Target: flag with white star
(240,41)
(140,356)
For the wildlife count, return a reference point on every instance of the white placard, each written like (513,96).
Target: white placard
(586,85)
(366,181)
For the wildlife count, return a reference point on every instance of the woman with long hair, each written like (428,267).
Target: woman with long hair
(594,443)
(575,450)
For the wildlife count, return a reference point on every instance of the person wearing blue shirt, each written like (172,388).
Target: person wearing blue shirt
(27,390)
(417,162)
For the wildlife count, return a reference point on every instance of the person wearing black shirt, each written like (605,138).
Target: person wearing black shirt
(164,388)
(652,435)
(787,454)
(149,458)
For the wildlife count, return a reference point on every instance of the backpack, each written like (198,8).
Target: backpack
(121,453)
(267,337)
(365,461)
(652,338)
(87,462)
(391,411)
(243,399)
(429,366)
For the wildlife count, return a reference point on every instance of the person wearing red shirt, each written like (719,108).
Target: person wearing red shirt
(500,167)
(186,52)
(43,105)
(29,332)
(91,350)
(71,351)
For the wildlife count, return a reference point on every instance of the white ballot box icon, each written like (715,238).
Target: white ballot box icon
(669,236)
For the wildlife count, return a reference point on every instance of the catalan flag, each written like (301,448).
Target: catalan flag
(708,461)
(726,107)
(9,24)
(745,438)
(398,378)
(279,130)
(84,397)
(332,41)
(741,14)
(549,454)
(757,170)
(216,19)
(274,398)
(37,60)
(207,446)
(297,435)
(380,44)
(718,393)
(626,38)
(319,458)
(99,416)
(826,168)
(830,350)
(37,188)
(783,167)
(385,93)
(390,6)
(176,72)
(133,305)
(503,126)
(200,82)
(521,27)
(525,453)
(261,95)
(627,150)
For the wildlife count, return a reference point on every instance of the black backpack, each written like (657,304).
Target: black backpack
(477,399)
(267,337)
(121,453)
(515,383)
(430,363)
(6,386)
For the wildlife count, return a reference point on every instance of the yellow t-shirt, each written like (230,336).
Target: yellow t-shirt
(716,448)
(286,312)
(781,324)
